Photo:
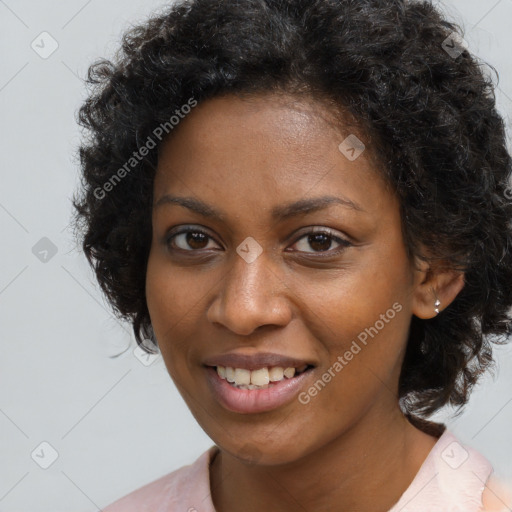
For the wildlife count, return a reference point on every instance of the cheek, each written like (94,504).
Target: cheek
(171,294)
(362,358)
(175,299)
(368,331)
(362,316)
(169,310)
(157,293)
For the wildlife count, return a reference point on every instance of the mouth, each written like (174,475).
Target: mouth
(245,391)
(261,378)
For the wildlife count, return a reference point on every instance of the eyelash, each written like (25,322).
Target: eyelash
(344,244)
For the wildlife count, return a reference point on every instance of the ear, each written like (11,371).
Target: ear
(439,282)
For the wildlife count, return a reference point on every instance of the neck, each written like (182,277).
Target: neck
(367,468)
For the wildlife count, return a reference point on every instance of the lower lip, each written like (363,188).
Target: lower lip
(250,401)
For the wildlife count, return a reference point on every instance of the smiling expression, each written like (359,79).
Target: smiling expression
(265,176)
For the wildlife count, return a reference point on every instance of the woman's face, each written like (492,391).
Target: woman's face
(256,280)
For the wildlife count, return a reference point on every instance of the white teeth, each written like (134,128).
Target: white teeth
(242,376)
(289,372)
(260,377)
(276,374)
(230,374)
(256,379)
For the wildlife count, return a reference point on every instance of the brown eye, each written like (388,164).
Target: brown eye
(321,241)
(189,240)
(193,239)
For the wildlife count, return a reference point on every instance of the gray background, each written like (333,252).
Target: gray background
(69,374)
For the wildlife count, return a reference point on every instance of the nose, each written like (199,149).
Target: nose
(250,296)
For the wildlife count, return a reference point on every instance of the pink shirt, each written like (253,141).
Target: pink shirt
(451,479)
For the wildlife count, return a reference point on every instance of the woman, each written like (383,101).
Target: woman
(305,206)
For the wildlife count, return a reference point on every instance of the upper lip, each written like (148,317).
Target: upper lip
(255,361)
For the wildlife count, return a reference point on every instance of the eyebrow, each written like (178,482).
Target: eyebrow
(278,213)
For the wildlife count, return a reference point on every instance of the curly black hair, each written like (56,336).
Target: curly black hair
(400,69)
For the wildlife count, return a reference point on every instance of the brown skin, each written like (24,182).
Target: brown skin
(350,447)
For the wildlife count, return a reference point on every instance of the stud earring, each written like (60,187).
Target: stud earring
(437,303)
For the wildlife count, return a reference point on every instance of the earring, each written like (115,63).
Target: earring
(437,303)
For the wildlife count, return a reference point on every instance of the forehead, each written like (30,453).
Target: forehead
(280,117)
(269,146)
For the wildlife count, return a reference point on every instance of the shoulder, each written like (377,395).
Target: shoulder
(497,495)
(184,489)
(451,479)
